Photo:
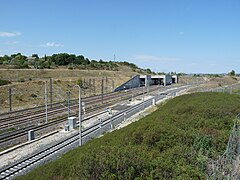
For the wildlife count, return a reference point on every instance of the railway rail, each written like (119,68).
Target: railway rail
(10,136)
(7,139)
(39,116)
(95,130)
(59,107)
(52,113)
(23,132)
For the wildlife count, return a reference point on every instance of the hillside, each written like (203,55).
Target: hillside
(28,84)
(68,61)
(174,142)
(26,76)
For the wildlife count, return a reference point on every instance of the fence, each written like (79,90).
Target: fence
(227,166)
(232,89)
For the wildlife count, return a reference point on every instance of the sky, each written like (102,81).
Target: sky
(190,36)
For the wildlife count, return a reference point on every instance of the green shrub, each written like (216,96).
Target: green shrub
(4,82)
(21,80)
(174,142)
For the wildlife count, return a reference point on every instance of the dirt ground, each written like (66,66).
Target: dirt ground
(214,82)
(28,86)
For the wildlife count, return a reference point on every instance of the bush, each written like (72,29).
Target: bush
(174,142)
(4,82)
(21,80)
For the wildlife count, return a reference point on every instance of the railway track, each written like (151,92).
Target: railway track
(10,136)
(39,116)
(42,107)
(7,122)
(8,172)
(23,132)
(59,106)
(49,153)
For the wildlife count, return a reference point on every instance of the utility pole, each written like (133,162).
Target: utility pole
(90,86)
(94,87)
(102,89)
(143,92)
(51,99)
(113,84)
(106,84)
(132,89)
(10,99)
(46,102)
(68,97)
(79,114)
(147,86)
(84,86)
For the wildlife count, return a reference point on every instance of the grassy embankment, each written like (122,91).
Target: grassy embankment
(174,142)
(28,84)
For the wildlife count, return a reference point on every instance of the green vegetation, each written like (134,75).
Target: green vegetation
(71,61)
(236,91)
(232,73)
(174,142)
(4,82)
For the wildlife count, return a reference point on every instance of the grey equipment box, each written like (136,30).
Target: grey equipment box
(72,122)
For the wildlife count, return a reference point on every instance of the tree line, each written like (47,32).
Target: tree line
(62,59)
(70,61)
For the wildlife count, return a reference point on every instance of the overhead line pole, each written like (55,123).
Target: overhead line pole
(68,98)
(51,99)
(106,84)
(10,99)
(79,114)
(102,90)
(46,103)
(113,84)
(94,87)
(90,86)
(84,86)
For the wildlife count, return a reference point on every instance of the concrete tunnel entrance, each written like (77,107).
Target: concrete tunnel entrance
(147,80)
(142,82)
(157,81)
(173,80)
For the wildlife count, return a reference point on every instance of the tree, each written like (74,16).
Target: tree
(35,55)
(14,55)
(20,61)
(149,71)
(232,73)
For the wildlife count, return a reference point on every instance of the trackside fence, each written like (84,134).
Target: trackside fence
(227,166)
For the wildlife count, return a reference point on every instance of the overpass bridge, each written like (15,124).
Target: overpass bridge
(148,80)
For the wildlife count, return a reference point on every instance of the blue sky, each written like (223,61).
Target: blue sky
(192,36)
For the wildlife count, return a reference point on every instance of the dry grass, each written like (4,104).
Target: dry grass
(26,74)
(215,82)
(30,93)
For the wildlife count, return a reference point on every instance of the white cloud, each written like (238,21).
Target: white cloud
(9,34)
(147,58)
(52,44)
(181,33)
